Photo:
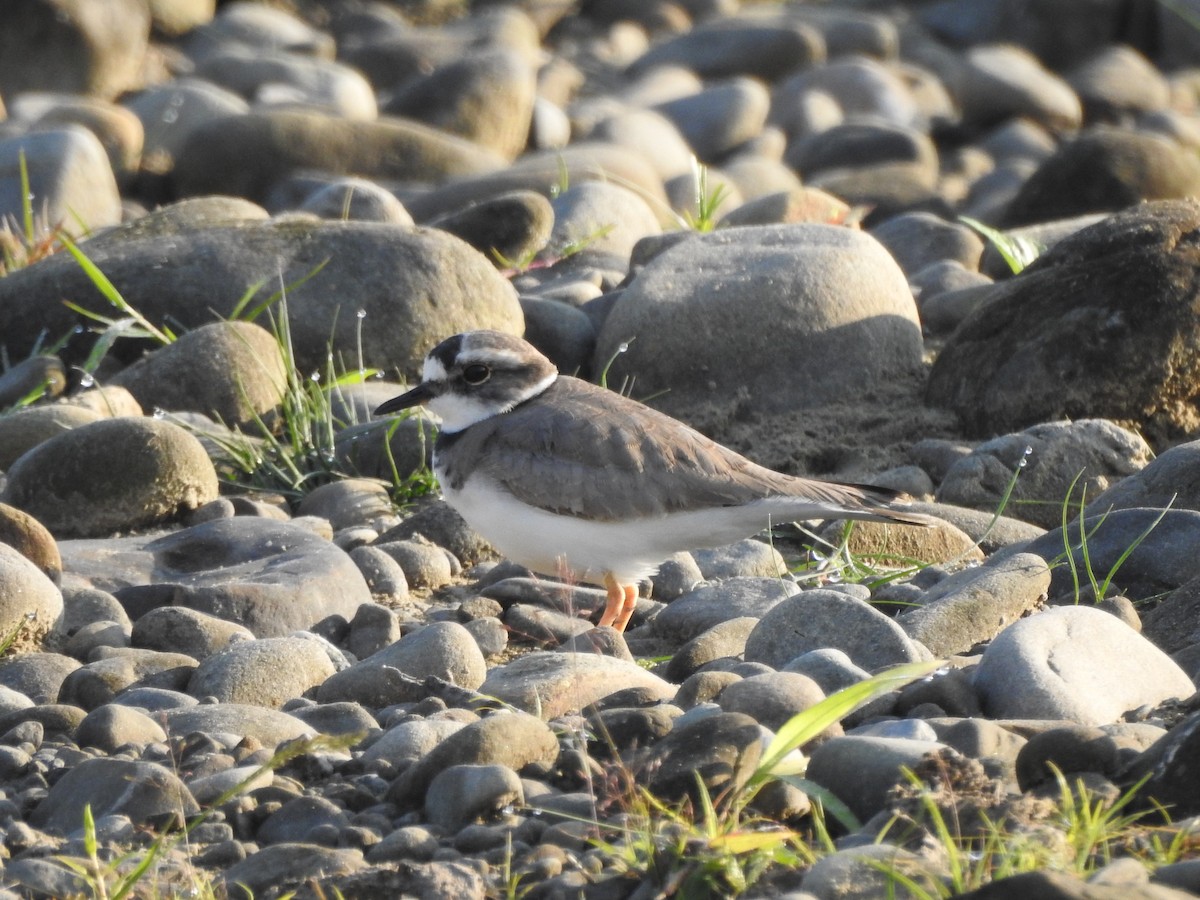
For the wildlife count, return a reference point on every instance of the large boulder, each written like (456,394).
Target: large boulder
(1105,325)
(401,290)
(763,319)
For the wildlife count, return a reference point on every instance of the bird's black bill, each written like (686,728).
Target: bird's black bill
(418,395)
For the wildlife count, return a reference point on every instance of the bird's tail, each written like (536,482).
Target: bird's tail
(837,500)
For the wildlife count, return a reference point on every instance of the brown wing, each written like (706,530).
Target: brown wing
(588,452)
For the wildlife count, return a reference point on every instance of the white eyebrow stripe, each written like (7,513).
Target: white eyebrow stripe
(493,356)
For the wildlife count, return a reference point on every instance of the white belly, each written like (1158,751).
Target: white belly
(587,550)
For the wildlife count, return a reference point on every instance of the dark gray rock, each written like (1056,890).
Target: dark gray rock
(726,639)
(116,669)
(860,771)
(178,629)
(1059,462)
(31,605)
(722,48)
(720,750)
(272,577)
(553,684)
(244,155)
(231,371)
(442,649)
(721,117)
(296,819)
(1043,347)
(399,278)
(460,795)
(310,81)
(267,726)
(1004,82)
(38,676)
(69,175)
(281,865)
(773,698)
(486,97)
(708,605)
(112,726)
(514,740)
(356,199)
(142,791)
(1105,169)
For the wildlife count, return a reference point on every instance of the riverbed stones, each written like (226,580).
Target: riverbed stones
(265,672)
(949,112)
(272,577)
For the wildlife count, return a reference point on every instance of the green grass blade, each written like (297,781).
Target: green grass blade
(1017,252)
(109,291)
(805,726)
(26,200)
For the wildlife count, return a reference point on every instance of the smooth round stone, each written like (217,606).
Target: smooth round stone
(38,676)
(140,790)
(412,739)
(297,818)
(112,726)
(31,605)
(423,563)
(25,429)
(793,275)
(272,577)
(460,795)
(815,619)
(552,684)
(487,96)
(267,726)
(111,475)
(230,371)
(1075,663)
(43,376)
(356,199)
(69,173)
(711,604)
(514,740)
(178,629)
(265,672)
(442,649)
(772,699)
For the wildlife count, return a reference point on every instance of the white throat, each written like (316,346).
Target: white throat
(458,411)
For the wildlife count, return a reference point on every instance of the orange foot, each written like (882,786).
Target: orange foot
(622,600)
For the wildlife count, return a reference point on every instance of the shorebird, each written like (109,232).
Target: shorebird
(566,477)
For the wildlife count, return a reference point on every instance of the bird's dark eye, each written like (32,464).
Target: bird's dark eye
(477,373)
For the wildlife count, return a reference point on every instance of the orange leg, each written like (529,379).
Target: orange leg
(622,600)
(627,609)
(616,600)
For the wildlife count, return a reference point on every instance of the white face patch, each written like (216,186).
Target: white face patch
(433,370)
(458,411)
